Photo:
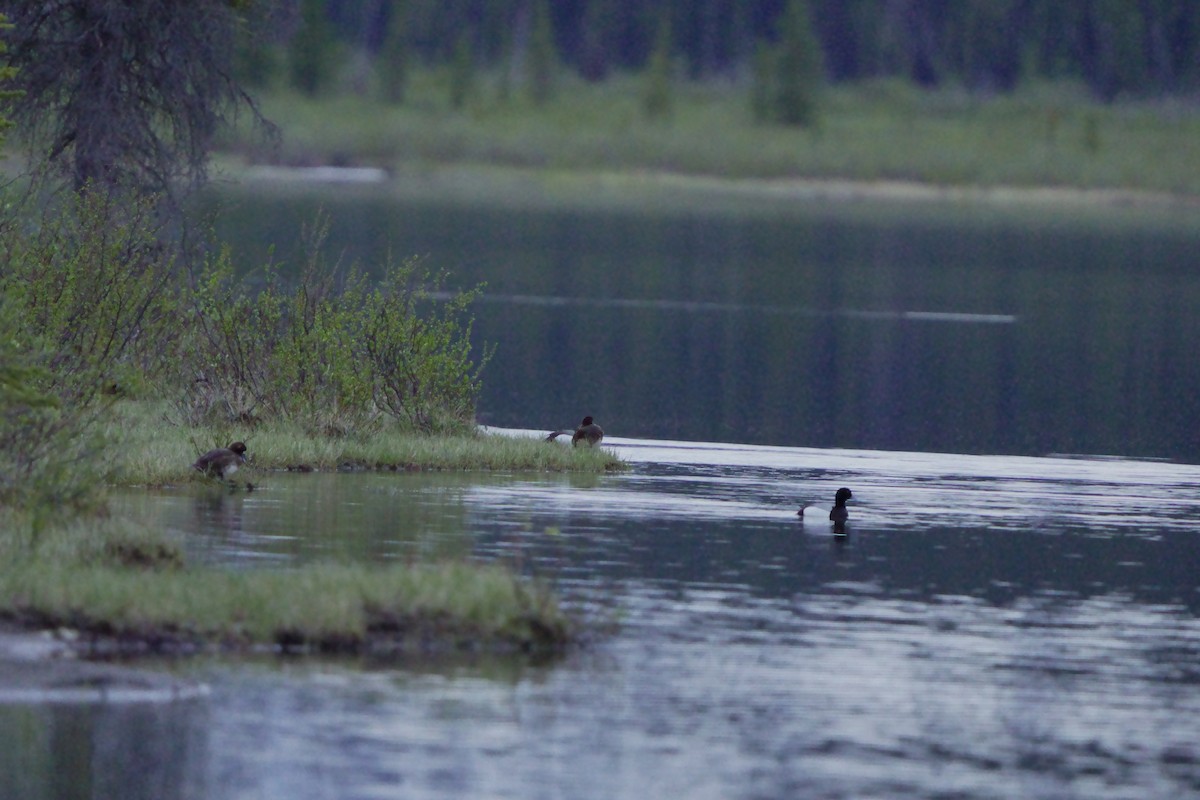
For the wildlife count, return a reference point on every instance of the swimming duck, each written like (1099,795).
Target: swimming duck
(588,431)
(839,513)
(223,461)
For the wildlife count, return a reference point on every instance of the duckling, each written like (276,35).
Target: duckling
(588,431)
(223,461)
(839,513)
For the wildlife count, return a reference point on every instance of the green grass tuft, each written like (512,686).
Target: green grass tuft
(322,607)
(155,452)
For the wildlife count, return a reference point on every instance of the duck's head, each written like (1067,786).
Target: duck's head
(586,421)
(843,494)
(239,449)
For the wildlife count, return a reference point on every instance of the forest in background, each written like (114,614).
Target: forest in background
(1115,47)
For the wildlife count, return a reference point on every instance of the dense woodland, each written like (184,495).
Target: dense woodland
(1116,47)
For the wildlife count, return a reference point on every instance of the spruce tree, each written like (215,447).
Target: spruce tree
(542,54)
(800,67)
(656,101)
(122,100)
(762,90)
(462,72)
(595,49)
(310,53)
(393,55)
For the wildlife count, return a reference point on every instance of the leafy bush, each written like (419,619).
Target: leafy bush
(92,307)
(327,352)
(421,367)
(281,354)
(88,298)
(93,282)
(46,455)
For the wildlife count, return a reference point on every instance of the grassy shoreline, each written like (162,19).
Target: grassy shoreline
(884,132)
(156,453)
(319,608)
(110,585)
(669,195)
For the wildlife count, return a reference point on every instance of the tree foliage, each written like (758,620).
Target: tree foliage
(656,97)
(800,72)
(310,55)
(8,74)
(87,312)
(393,55)
(1114,46)
(124,97)
(462,72)
(542,55)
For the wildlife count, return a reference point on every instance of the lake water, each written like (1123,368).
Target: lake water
(968,328)
(990,627)
(993,626)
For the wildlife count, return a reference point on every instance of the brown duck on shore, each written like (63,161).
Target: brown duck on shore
(222,462)
(588,431)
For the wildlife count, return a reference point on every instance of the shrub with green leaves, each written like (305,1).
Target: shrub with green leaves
(46,455)
(419,350)
(93,281)
(281,353)
(88,305)
(327,351)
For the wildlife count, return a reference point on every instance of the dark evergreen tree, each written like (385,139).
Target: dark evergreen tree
(763,91)
(542,55)
(122,101)
(310,57)
(393,55)
(596,54)
(799,67)
(1117,38)
(462,72)
(656,99)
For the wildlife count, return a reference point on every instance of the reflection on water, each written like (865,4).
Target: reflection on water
(151,751)
(990,627)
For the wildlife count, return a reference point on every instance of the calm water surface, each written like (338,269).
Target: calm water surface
(964,328)
(990,627)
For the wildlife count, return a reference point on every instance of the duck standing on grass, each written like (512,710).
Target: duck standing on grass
(223,461)
(839,513)
(588,431)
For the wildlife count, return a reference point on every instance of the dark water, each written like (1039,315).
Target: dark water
(973,329)
(991,627)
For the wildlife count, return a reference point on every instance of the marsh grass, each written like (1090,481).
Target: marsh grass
(155,451)
(129,586)
(83,540)
(320,607)
(1042,135)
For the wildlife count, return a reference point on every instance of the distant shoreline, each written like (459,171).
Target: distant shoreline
(521,186)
